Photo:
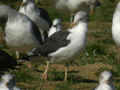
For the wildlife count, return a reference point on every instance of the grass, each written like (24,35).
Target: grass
(100,54)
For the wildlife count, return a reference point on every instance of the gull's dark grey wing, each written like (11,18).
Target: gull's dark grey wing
(36,33)
(53,43)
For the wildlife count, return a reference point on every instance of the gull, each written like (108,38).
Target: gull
(63,45)
(8,83)
(105,81)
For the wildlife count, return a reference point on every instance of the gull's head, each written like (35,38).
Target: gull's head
(106,77)
(8,80)
(57,21)
(80,16)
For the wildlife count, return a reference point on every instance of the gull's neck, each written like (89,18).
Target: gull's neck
(80,27)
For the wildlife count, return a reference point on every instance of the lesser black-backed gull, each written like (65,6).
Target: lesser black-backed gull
(63,45)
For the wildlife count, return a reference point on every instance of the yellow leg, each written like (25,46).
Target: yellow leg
(91,10)
(45,74)
(29,65)
(66,71)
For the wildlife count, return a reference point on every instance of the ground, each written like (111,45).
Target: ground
(101,54)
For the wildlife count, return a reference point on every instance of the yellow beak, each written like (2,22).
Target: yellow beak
(22,4)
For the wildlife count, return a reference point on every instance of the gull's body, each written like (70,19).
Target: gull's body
(116,25)
(38,15)
(20,31)
(105,82)
(63,45)
(57,26)
(8,83)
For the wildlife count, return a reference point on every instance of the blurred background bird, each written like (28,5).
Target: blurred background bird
(105,81)
(8,82)
(38,15)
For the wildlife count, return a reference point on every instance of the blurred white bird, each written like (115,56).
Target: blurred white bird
(73,5)
(8,83)
(105,81)
(116,25)
(57,26)
(20,31)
